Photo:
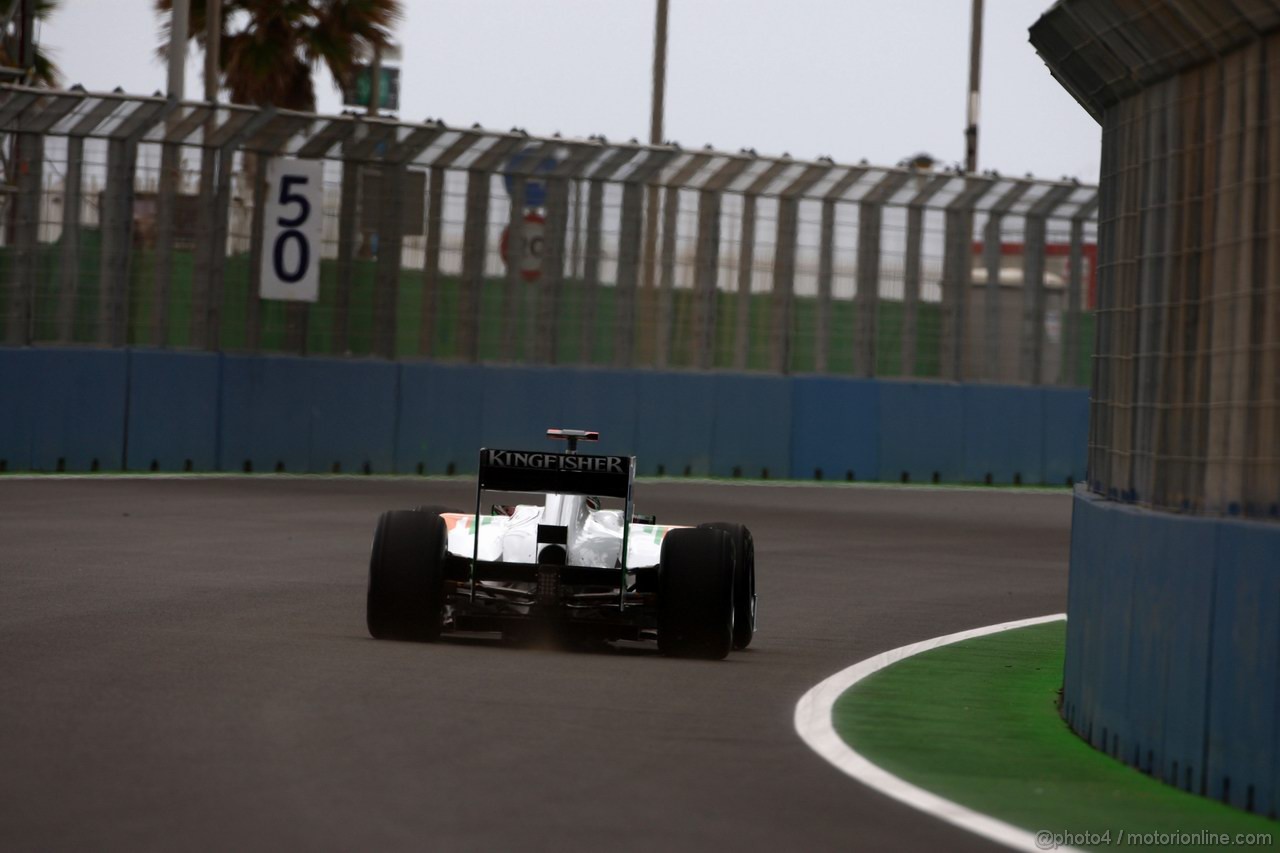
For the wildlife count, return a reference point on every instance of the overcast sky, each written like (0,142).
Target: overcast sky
(851,79)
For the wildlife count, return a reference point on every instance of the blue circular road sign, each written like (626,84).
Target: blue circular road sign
(535,191)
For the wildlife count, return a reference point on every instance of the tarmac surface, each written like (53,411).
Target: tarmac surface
(184,665)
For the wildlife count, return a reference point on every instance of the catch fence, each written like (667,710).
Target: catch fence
(1186,389)
(139,221)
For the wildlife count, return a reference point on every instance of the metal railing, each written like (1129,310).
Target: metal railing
(138,221)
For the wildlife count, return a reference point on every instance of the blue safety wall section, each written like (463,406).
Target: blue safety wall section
(307,414)
(172,411)
(63,409)
(1173,647)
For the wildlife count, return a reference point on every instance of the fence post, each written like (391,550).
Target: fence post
(513,295)
(475,243)
(706,316)
(474,239)
(629,236)
(706,255)
(867,298)
(117,219)
(992,249)
(553,259)
(516,294)
(1032,355)
(1070,367)
(204,245)
(784,273)
(664,312)
(32,125)
(217,156)
(664,317)
(552,282)
(394,164)
(664,329)
(116,227)
(911,277)
(30,169)
(625,288)
(591,271)
(431,263)
(957,274)
(69,254)
(826,265)
(166,231)
(28,149)
(253,299)
(227,147)
(69,259)
(386,284)
(591,266)
(167,191)
(746,261)
(435,225)
(348,210)
(746,266)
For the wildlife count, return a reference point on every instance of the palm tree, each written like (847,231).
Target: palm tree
(269,48)
(44,71)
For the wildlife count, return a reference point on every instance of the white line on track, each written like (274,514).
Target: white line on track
(814,724)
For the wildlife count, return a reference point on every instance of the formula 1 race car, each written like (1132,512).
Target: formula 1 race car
(570,566)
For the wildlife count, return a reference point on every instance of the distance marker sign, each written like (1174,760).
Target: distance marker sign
(291,230)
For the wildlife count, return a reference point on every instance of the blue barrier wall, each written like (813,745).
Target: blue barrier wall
(835,428)
(1173,647)
(1004,435)
(438,420)
(751,426)
(1066,428)
(307,414)
(922,432)
(175,411)
(63,409)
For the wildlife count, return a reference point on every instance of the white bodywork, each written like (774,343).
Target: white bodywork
(594,535)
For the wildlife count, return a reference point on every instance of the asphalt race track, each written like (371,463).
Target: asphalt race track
(184,665)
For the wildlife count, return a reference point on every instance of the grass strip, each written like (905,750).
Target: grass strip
(976,722)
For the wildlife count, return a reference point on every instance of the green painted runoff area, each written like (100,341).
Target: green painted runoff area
(977,722)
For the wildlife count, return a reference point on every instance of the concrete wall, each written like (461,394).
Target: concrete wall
(86,409)
(1173,647)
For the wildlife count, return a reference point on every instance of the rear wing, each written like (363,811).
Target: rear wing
(569,473)
(558,473)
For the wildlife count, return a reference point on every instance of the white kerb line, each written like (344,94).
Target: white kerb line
(814,723)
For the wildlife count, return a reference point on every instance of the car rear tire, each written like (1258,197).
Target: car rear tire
(744,580)
(406,577)
(695,594)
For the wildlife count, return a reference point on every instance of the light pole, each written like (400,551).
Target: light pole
(659,73)
(655,138)
(975,80)
(178,26)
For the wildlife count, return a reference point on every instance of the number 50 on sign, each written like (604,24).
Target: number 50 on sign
(291,230)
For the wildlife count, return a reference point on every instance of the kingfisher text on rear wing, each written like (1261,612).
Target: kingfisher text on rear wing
(559,473)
